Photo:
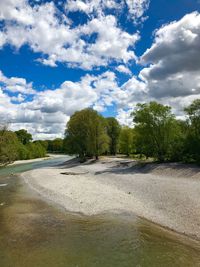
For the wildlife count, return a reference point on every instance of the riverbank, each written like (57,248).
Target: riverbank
(49,156)
(166,194)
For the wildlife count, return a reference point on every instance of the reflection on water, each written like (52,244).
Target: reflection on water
(33,234)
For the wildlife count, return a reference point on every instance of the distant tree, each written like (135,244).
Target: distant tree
(86,134)
(55,145)
(8,146)
(113,131)
(35,150)
(126,141)
(154,124)
(44,143)
(23,136)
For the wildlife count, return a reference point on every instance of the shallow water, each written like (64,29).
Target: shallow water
(35,234)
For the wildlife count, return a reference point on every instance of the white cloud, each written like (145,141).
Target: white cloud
(50,108)
(137,8)
(173,63)
(91,6)
(19,98)
(123,69)
(170,76)
(124,117)
(175,49)
(46,30)
(17,10)
(16,85)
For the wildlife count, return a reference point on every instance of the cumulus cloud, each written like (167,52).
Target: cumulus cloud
(173,63)
(45,29)
(175,49)
(172,72)
(15,85)
(42,114)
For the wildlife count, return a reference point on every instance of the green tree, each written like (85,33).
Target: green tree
(55,145)
(86,134)
(8,146)
(113,131)
(126,141)
(35,150)
(193,133)
(23,136)
(155,129)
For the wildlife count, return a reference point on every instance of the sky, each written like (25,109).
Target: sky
(57,57)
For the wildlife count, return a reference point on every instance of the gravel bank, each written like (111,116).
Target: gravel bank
(167,194)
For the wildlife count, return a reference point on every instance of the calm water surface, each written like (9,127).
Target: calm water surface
(35,234)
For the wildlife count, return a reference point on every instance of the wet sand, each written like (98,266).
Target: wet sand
(166,194)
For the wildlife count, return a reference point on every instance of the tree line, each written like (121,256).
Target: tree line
(156,134)
(19,145)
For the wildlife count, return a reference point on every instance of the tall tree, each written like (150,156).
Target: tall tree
(23,136)
(113,131)
(155,128)
(193,135)
(126,141)
(86,134)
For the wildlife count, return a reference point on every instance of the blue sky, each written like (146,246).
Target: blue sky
(57,57)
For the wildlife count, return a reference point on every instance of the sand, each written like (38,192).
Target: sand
(166,194)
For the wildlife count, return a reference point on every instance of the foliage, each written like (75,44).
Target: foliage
(13,147)
(193,133)
(55,145)
(113,131)
(8,146)
(155,129)
(126,141)
(35,150)
(86,134)
(156,134)
(23,136)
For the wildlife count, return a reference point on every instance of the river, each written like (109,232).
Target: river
(36,234)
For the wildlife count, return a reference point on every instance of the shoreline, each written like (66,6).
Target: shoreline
(165,194)
(49,156)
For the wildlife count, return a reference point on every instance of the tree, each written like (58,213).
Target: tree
(23,136)
(113,131)
(126,141)
(193,133)
(35,150)
(155,129)
(55,145)
(8,146)
(86,134)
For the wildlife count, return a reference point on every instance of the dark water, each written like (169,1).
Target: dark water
(34,234)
